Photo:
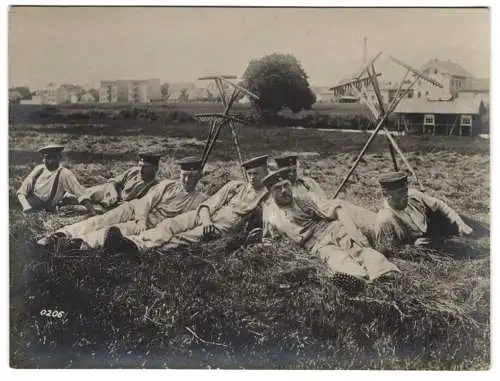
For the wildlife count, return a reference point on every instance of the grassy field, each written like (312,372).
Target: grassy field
(231,305)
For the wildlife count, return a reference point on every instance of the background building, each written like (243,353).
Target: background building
(108,92)
(130,91)
(456,117)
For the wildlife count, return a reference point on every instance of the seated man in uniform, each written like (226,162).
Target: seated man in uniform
(363,218)
(47,184)
(412,217)
(226,211)
(132,184)
(166,200)
(324,228)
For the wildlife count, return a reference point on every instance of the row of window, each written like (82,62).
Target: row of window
(457,83)
(410,95)
(465,120)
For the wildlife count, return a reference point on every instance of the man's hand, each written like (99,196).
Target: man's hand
(363,241)
(422,242)
(209,230)
(206,222)
(141,225)
(464,229)
(90,209)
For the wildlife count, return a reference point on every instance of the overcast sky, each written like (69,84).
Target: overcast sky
(86,45)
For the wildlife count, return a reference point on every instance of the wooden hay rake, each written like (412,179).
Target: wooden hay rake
(219,120)
(366,76)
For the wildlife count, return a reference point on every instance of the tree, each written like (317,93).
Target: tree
(24,91)
(164,91)
(95,94)
(184,95)
(280,81)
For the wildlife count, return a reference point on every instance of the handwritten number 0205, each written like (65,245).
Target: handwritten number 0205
(50,313)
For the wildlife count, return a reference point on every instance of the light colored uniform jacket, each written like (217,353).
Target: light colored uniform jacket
(398,227)
(229,209)
(126,187)
(315,224)
(166,200)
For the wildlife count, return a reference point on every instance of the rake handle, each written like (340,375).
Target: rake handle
(380,125)
(211,143)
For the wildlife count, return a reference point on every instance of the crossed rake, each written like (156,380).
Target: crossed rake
(368,75)
(219,120)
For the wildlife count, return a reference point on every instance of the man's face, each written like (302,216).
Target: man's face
(282,193)
(256,175)
(293,174)
(148,171)
(51,160)
(189,179)
(398,198)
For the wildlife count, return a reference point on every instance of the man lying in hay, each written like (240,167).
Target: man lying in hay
(324,228)
(166,200)
(412,217)
(364,219)
(132,184)
(227,211)
(45,187)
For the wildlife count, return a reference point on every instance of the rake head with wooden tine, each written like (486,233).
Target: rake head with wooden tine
(417,72)
(241,89)
(364,68)
(353,82)
(219,120)
(214,77)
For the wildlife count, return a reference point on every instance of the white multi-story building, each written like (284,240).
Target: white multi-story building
(144,91)
(130,91)
(53,95)
(114,91)
(450,75)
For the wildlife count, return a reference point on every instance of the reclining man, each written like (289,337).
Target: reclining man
(226,211)
(324,228)
(411,217)
(363,218)
(166,200)
(132,184)
(45,186)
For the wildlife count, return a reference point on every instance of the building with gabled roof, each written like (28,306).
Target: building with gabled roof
(451,75)
(446,67)
(460,116)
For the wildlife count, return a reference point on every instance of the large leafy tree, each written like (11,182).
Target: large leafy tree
(95,93)
(280,82)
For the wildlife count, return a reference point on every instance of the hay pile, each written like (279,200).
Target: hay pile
(224,304)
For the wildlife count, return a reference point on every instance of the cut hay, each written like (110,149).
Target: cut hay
(223,305)
(233,303)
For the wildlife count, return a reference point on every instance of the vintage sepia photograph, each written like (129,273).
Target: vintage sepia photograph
(249,187)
